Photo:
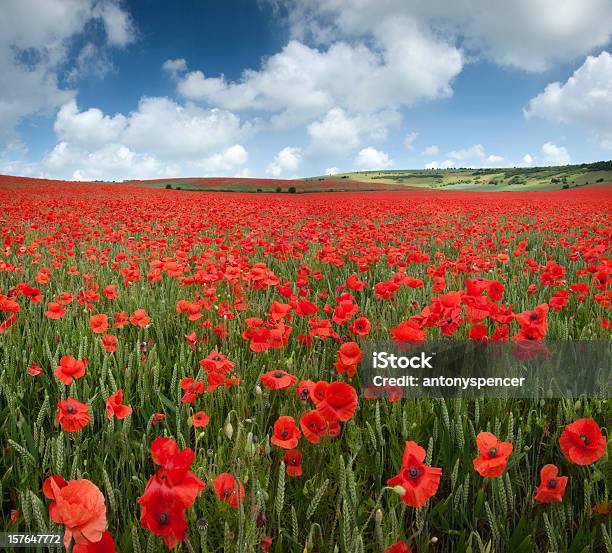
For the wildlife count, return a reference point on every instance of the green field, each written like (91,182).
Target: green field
(503,179)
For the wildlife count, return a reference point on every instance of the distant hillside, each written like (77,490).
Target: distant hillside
(516,178)
(493,179)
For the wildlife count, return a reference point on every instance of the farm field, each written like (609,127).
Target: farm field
(493,179)
(179,370)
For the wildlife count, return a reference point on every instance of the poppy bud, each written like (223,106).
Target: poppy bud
(261,519)
(378,517)
(228,429)
(258,390)
(399,490)
(201,524)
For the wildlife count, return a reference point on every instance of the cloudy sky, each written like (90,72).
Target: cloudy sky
(111,89)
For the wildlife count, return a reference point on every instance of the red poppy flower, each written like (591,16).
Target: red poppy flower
(79,506)
(110,292)
(552,487)
(174,476)
(70,369)
(34,369)
(200,419)
(98,323)
(192,389)
(121,319)
(140,318)
(277,380)
(398,547)
(493,457)
(163,514)
(293,462)
(229,490)
(582,442)
(408,331)
(72,415)
(361,326)
(105,545)
(54,311)
(340,402)
(110,343)
(313,426)
(157,417)
(418,481)
(286,433)
(349,356)
(115,407)
(304,389)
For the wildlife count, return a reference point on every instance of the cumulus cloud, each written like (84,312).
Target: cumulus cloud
(473,152)
(288,159)
(584,100)
(400,65)
(339,133)
(35,41)
(550,154)
(472,156)
(554,155)
(175,67)
(332,171)
(159,138)
(409,140)
(446,164)
(527,34)
(370,158)
(432,150)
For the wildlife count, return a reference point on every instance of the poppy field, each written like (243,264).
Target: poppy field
(180,370)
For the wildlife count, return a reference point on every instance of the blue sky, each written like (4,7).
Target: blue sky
(108,89)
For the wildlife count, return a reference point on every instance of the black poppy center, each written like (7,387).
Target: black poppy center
(70,409)
(285,433)
(493,452)
(413,472)
(552,483)
(163,518)
(278,374)
(584,438)
(533,316)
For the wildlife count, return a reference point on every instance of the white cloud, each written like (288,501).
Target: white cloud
(527,160)
(35,45)
(339,133)
(160,138)
(432,150)
(584,100)
(225,161)
(409,140)
(473,152)
(494,159)
(332,171)
(554,155)
(288,159)
(111,162)
(369,158)
(174,68)
(528,34)
(401,64)
(90,128)
(117,23)
(446,164)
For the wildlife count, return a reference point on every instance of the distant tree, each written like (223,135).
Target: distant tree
(259,190)
(279,189)
(168,187)
(291,190)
